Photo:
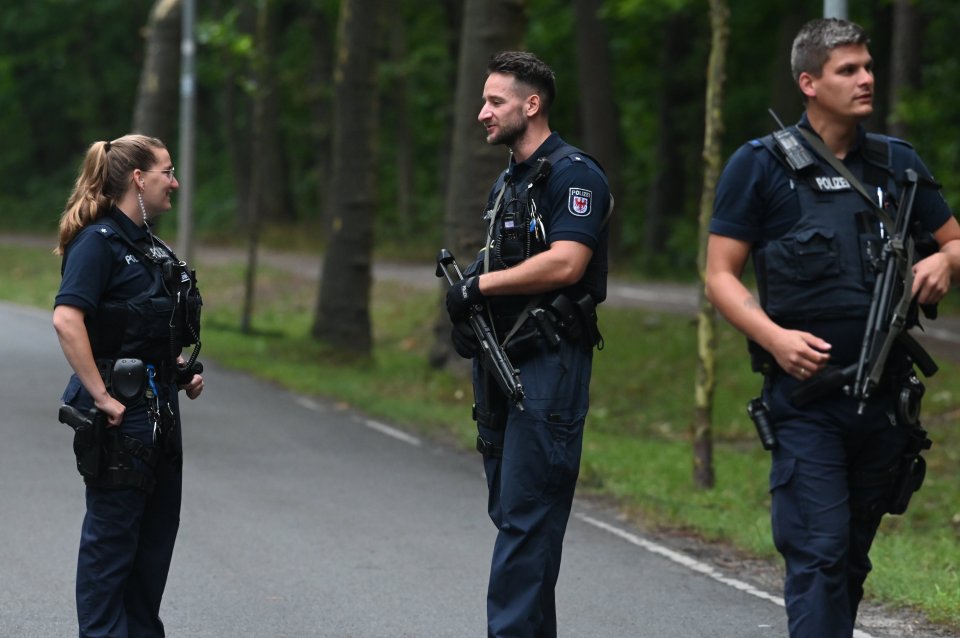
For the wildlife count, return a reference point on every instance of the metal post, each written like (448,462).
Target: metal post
(835,9)
(185,163)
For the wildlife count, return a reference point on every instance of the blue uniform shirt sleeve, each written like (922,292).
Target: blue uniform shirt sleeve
(88,265)
(576,203)
(930,208)
(738,209)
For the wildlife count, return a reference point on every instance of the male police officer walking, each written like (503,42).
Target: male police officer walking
(809,233)
(546,253)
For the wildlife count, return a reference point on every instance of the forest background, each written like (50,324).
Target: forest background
(314,115)
(70,73)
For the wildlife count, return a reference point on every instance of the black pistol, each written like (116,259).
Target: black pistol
(87,438)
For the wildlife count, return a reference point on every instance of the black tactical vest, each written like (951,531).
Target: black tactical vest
(156,324)
(824,266)
(518,231)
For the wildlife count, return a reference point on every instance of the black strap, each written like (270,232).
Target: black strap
(877,163)
(145,257)
(838,166)
(487,448)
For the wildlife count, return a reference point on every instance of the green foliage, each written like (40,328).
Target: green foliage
(427,74)
(69,72)
(928,112)
(32,274)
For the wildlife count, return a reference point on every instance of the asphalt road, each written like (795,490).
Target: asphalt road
(304,520)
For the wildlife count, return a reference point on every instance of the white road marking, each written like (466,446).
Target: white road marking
(310,404)
(692,564)
(400,435)
(382,428)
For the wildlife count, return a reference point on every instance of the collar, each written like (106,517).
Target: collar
(549,145)
(132,230)
(858,141)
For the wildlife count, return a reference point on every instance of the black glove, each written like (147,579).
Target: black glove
(462,296)
(465,341)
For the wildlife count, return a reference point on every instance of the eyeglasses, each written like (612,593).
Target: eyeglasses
(167,171)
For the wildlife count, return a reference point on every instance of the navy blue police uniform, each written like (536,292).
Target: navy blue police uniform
(133,508)
(532,456)
(813,239)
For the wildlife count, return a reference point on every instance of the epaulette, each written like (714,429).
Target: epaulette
(900,141)
(104,229)
(876,149)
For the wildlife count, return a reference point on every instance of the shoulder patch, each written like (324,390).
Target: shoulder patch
(756,143)
(579,201)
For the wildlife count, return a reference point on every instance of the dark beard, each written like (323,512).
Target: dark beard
(509,136)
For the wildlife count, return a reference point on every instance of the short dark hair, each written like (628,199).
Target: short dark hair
(527,69)
(815,41)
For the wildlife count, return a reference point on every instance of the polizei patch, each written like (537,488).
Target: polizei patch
(832,184)
(579,202)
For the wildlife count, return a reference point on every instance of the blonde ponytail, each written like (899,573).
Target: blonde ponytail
(102,181)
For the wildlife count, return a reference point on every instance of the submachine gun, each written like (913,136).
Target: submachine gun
(892,311)
(494,359)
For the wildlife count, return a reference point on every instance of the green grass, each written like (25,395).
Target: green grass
(637,451)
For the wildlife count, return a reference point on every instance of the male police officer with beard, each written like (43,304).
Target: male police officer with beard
(810,234)
(540,276)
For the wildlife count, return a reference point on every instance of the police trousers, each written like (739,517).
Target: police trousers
(127,539)
(531,475)
(824,523)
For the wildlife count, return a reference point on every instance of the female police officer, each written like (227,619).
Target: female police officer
(125,310)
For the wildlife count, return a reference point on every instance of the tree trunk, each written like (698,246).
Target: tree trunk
(453,11)
(238,118)
(785,97)
(601,120)
(904,62)
(343,309)
(703,474)
(276,202)
(403,132)
(158,95)
(489,26)
(668,184)
(254,202)
(321,127)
